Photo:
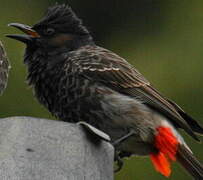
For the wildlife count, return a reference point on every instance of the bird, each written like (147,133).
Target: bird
(78,81)
(4,68)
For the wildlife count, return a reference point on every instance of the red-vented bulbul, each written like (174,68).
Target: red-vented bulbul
(77,80)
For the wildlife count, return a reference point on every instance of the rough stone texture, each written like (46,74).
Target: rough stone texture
(4,68)
(40,149)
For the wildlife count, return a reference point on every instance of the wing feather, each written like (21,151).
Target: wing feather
(114,72)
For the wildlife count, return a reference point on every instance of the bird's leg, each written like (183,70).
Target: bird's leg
(119,162)
(123,138)
(118,155)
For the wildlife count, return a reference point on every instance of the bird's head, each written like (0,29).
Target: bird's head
(60,27)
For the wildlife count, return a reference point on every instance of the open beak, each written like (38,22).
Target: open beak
(29,35)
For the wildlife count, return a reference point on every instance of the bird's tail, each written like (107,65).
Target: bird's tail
(169,149)
(189,162)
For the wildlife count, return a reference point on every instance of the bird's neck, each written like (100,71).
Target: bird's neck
(82,41)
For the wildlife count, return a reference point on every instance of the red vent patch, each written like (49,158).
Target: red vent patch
(167,145)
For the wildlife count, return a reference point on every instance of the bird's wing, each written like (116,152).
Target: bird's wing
(114,72)
(193,123)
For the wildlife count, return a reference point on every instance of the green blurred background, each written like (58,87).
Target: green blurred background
(163,39)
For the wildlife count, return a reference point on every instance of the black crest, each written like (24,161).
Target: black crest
(63,19)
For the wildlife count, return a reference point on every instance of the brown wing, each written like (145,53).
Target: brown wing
(114,72)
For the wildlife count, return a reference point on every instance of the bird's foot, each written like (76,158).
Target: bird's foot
(119,162)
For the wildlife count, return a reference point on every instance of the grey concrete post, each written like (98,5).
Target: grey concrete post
(40,149)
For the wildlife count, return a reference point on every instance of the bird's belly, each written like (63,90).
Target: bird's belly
(129,113)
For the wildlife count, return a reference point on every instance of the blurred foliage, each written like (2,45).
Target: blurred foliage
(163,39)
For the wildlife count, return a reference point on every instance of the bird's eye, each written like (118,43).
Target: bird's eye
(49,31)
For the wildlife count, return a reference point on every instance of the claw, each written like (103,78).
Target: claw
(119,162)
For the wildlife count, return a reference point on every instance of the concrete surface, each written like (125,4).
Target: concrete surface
(40,149)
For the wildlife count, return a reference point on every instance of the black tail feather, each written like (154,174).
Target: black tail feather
(190,163)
